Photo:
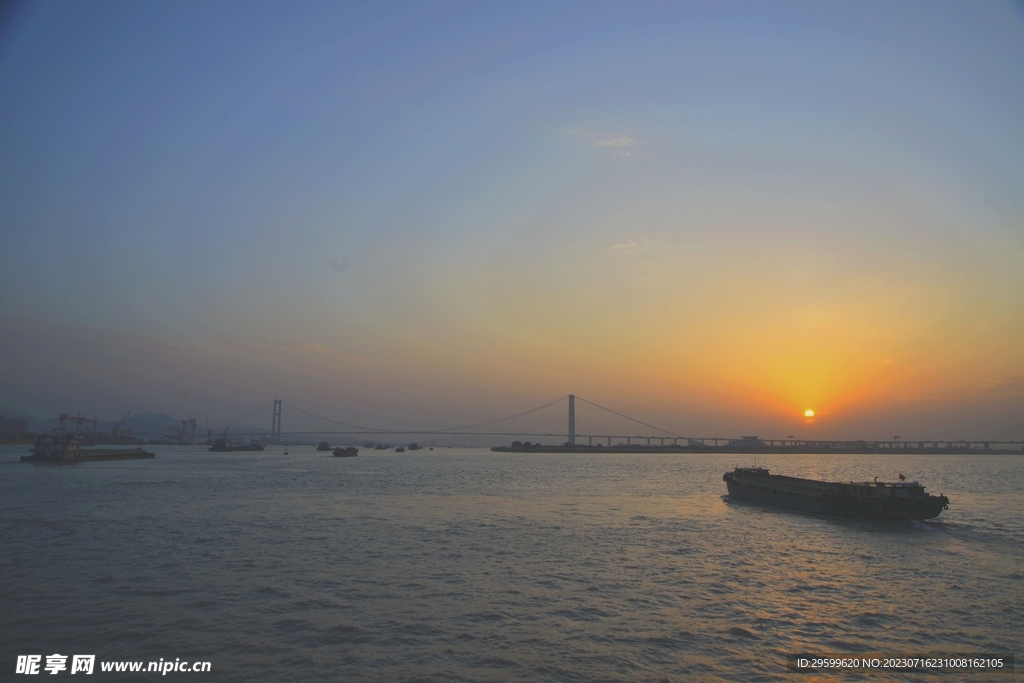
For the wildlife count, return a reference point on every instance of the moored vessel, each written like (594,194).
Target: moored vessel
(323,446)
(349,452)
(64,447)
(225,446)
(863,500)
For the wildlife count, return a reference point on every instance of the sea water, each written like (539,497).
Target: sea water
(468,565)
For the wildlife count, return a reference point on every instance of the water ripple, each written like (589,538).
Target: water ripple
(467,566)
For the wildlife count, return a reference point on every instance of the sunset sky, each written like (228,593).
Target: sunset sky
(710,215)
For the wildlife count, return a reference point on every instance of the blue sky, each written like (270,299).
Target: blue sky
(675,205)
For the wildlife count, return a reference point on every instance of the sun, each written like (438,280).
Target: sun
(808,413)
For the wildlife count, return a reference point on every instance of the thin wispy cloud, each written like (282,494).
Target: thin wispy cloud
(1012,385)
(623,144)
(309,350)
(341,266)
(625,246)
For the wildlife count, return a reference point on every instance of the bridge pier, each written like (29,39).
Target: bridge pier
(572,419)
(275,421)
(609,441)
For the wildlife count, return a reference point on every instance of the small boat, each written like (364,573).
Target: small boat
(349,452)
(862,500)
(400,449)
(324,446)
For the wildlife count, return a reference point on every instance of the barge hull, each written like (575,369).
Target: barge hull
(90,456)
(824,502)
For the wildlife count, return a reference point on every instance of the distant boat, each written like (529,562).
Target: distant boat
(225,446)
(414,446)
(349,452)
(400,449)
(324,446)
(863,500)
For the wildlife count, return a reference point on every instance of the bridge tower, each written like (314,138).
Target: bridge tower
(275,421)
(572,419)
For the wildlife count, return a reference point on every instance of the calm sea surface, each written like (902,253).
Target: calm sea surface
(467,565)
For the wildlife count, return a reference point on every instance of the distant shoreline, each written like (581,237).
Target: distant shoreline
(638,448)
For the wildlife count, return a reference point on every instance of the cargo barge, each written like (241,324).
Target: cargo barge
(225,446)
(862,500)
(63,447)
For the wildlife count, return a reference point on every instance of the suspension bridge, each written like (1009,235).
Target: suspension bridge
(605,428)
(497,427)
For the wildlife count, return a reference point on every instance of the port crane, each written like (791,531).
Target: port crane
(78,420)
(185,433)
(115,432)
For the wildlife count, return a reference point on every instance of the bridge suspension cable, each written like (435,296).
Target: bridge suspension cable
(580,398)
(510,417)
(251,412)
(1012,432)
(337,422)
